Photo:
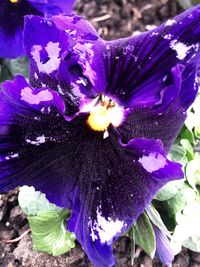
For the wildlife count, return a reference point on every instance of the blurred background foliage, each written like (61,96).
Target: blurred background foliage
(188,3)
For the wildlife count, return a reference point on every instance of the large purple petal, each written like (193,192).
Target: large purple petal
(138,68)
(164,120)
(45,42)
(122,180)
(65,57)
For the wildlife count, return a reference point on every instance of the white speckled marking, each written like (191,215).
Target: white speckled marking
(153,162)
(106,229)
(180,48)
(170,22)
(34,99)
(105,134)
(86,55)
(168,36)
(12,156)
(39,140)
(53,51)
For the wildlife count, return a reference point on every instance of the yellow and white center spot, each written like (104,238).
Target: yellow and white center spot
(14,1)
(106,112)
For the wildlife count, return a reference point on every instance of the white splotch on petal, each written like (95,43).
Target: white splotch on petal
(86,55)
(180,48)
(105,229)
(153,162)
(39,140)
(105,134)
(28,96)
(168,36)
(82,81)
(53,51)
(170,22)
(12,156)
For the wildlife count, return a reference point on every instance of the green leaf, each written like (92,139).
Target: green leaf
(187,230)
(169,190)
(155,218)
(191,121)
(195,2)
(33,202)
(17,66)
(196,104)
(179,200)
(188,147)
(144,235)
(187,134)
(188,3)
(47,222)
(49,233)
(193,172)
(168,220)
(5,73)
(197,131)
(178,153)
(196,155)
(185,3)
(132,237)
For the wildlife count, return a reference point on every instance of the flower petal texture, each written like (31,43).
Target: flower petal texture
(163,247)
(53,134)
(12,21)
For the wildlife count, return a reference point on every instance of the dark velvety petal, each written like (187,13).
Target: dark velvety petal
(53,7)
(37,145)
(164,120)
(163,247)
(122,180)
(138,68)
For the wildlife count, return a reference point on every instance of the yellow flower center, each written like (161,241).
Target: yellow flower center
(14,1)
(106,112)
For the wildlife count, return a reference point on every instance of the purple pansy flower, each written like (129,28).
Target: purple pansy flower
(12,14)
(93,127)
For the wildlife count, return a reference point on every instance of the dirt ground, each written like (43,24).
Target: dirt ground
(113,19)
